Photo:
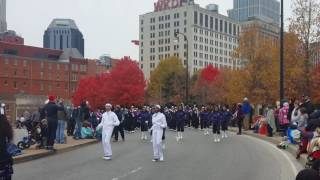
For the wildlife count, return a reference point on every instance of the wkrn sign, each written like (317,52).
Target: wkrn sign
(162,5)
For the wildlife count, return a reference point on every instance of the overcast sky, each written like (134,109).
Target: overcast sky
(108,26)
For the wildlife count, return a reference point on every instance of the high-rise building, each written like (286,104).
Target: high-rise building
(261,15)
(212,37)
(265,10)
(63,34)
(3,22)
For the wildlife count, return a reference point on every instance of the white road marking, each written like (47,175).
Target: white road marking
(127,174)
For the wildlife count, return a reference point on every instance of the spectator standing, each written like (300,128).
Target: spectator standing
(6,136)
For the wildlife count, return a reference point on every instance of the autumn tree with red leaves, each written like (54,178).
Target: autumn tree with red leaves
(207,85)
(124,85)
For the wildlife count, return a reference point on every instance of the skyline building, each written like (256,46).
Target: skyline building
(3,21)
(264,10)
(63,34)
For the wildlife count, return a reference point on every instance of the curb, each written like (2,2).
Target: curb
(23,159)
(291,148)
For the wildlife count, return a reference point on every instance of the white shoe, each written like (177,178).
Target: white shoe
(215,139)
(225,136)
(107,158)
(155,160)
(161,158)
(218,140)
(163,146)
(222,136)
(178,138)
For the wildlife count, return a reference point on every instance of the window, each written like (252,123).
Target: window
(201,19)
(66,68)
(42,65)
(206,21)
(195,17)
(41,75)
(15,84)
(25,84)
(5,83)
(58,67)
(6,61)
(49,87)
(50,66)
(221,26)
(24,63)
(15,72)
(211,22)
(15,62)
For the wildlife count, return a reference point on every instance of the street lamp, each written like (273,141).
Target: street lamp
(281,56)
(176,34)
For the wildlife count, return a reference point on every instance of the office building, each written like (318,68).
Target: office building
(212,37)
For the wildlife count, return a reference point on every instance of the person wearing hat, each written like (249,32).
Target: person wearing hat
(51,115)
(158,124)
(246,109)
(108,122)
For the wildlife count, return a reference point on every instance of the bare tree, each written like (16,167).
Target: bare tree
(305,22)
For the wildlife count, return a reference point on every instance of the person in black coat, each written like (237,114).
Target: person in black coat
(6,136)
(239,117)
(308,105)
(119,128)
(51,113)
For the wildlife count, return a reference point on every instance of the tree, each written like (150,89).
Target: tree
(124,85)
(305,22)
(259,76)
(167,82)
(127,84)
(316,84)
(205,87)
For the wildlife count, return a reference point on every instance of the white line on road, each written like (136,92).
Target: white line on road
(127,174)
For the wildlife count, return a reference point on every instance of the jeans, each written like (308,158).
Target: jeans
(77,133)
(60,132)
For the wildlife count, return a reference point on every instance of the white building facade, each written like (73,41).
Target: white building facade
(212,37)
(3,21)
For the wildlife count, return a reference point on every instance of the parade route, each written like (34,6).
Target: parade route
(197,157)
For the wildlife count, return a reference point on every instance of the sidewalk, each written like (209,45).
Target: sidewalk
(32,153)
(292,149)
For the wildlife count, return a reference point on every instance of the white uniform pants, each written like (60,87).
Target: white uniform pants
(106,137)
(157,143)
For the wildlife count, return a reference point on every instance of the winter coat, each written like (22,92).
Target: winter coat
(51,111)
(246,108)
(271,119)
(283,115)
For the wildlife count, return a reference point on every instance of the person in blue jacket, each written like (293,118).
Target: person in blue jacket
(226,117)
(204,120)
(180,117)
(144,118)
(215,118)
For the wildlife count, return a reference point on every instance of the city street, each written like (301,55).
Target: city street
(198,157)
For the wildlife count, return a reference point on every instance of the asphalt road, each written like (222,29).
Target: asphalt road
(197,157)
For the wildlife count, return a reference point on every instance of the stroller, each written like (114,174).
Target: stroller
(312,157)
(34,134)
